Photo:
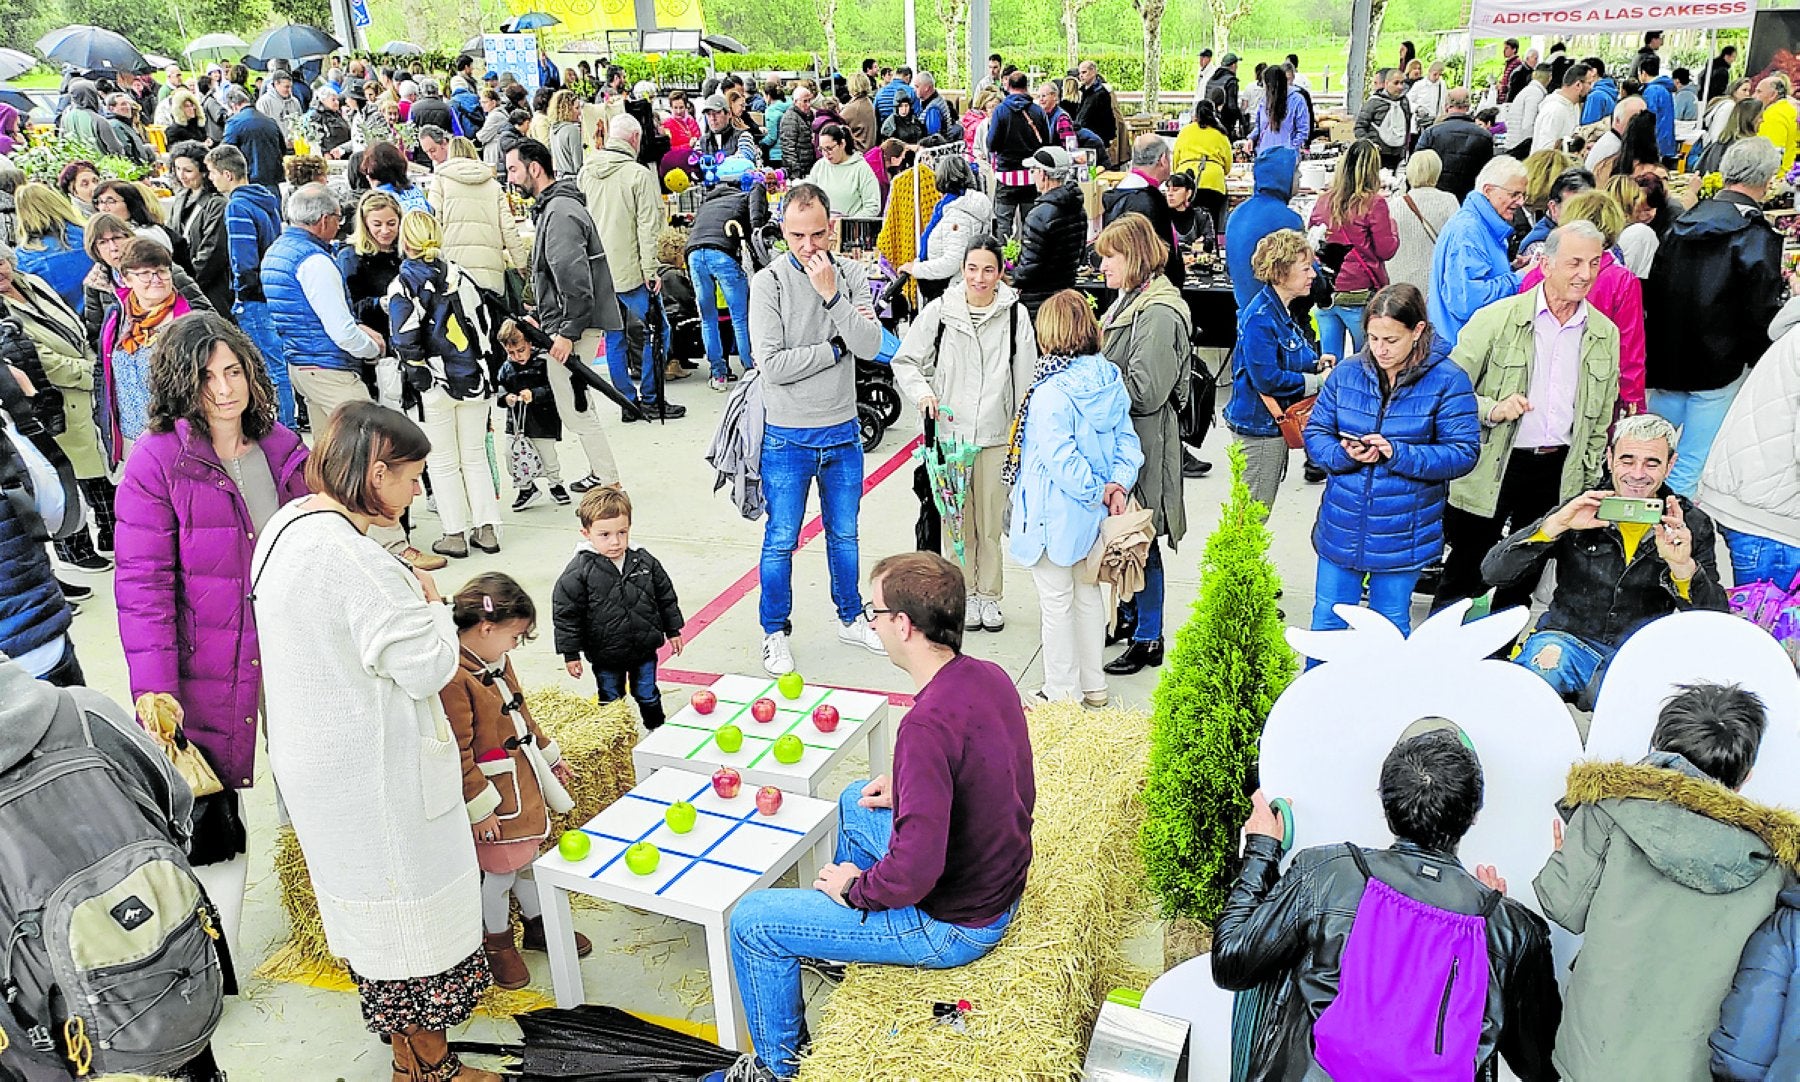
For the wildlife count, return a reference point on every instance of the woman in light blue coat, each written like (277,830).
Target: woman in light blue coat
(1071,460)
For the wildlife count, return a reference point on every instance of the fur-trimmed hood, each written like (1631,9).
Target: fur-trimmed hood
(1691,828)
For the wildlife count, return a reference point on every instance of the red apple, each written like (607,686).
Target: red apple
(825,717)
(726,782)
(763,710)
(703,701)
(768,800)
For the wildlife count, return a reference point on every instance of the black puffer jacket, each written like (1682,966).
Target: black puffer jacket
(725,204)
(1289,938)
(614,617)
(1712,291)
(1465,147)
(1152,204)
(1050,250)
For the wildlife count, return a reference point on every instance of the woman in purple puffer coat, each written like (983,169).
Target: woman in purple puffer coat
(212,467)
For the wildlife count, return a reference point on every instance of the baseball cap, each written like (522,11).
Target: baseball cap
(1229,59)
(1050,158)
(713,104)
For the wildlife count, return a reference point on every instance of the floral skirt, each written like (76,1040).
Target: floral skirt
(440,1001)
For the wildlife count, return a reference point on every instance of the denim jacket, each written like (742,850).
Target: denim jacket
(1272,358)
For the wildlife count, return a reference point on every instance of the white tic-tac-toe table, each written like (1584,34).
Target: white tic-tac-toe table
(687,742)
(700,876)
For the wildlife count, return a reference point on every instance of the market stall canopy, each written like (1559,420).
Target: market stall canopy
(213,46)
(14,63)
(531,20)
(91,48)
(294,42)
(403,48)
(1506,18)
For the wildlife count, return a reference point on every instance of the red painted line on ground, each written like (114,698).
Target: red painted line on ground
(737,591)
(705,679)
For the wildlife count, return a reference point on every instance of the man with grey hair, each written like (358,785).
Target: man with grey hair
(1141,193)
(934,110)
(625,202)
(1607,146)
(1463,144)
(1055,232)
(1615,571)
(1095,110)
(1545,366)
(794,134)
(1470,267)
(435,143)
(310,306)
(260,139)
(122,112)
(431,108)
(1714,288)
(279,103)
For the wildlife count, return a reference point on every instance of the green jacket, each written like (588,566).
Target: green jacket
(1496,348)
(1665,873)
(1146,335)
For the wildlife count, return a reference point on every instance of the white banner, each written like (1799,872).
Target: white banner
(516,53)
(1507,18)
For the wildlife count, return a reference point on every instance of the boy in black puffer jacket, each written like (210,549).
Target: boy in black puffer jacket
(615,605)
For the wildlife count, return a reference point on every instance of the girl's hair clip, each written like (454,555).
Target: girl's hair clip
(487,604)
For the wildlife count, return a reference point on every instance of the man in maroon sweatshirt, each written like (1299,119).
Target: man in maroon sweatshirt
(930,864)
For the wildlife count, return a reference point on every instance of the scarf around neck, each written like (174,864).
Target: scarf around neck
(1048,364)
(140,324)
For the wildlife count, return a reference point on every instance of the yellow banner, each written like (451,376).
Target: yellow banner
(583,19)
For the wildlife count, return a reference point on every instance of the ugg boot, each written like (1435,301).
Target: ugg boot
(424,1056)
(504,961)
(534,938)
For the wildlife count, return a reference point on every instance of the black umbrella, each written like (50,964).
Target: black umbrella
(17,99)
(594,1043)
(294,42)
(91,48)
(584,375)
(723,43)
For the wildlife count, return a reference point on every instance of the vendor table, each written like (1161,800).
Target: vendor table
(686,741)
(1209,299)
(700,877)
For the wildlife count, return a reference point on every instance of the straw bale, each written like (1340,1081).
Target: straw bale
(596,742)
(1035,997)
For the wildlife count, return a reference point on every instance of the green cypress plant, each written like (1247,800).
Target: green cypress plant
(1229,664)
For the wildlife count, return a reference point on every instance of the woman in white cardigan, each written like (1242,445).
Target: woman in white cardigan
(356,647)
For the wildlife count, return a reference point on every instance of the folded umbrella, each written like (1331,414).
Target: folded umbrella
(595,1043)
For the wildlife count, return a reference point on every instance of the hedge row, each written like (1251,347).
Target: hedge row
(1123,70)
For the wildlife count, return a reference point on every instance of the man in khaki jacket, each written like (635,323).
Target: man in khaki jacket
(626,204)
(1545,365)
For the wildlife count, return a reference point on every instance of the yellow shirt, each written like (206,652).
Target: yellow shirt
(1205,153)
(1631,535)
(1781,126)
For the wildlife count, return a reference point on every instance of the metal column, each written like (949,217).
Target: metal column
(1356,73)
(978,43)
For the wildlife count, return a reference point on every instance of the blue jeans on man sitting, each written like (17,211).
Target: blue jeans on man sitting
(634,304)
(1755,558)
(791,460)
(1390,594)
(771,930)
(713,271)
(1567,662)
(253,319)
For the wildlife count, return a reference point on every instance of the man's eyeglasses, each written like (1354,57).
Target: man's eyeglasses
(870,611)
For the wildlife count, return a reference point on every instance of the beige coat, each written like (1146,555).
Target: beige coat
(625,201)
(1146,336)
(62,349)
(975,373)
(480,235)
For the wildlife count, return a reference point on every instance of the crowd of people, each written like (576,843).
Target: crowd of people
(1495,350)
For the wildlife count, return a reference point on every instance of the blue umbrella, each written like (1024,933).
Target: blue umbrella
(90,48)
(293,42)
(531,20)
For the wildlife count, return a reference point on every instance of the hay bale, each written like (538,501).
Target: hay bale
(1036,995)
(596,742)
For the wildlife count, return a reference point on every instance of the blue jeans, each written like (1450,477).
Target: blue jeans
(713,270)
(1145,608)
(1755,558)
(1390,594)
(788,471)
(253,318)
(1699,415)
(772,929)
(1570,667)
(1337,323)
(642,385)
(642,679)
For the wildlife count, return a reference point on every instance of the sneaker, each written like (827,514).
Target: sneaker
(777,658)
(431,502)
(529,496)
(487,539)
(1093,700)
(747,1069)
(560,495)
(663,411)
(972,614)
(93,563)
(992,619)
(424,561)
(454,545)
(1315,475)
(586,484)
(719,383)
(74,591)
(859,632)
(825,969)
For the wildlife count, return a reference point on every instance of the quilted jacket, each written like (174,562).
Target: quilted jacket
(1050,249)
(1390,516)
(614,616)
(1752,477)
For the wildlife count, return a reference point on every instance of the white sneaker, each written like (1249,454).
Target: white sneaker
(859,632)
(777,658)
(972,614)
(992,619)
(718,384)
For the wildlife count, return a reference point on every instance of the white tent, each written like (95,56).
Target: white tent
(1517,18)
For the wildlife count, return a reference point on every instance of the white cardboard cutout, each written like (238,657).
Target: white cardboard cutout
(1717,647)
(1326,738)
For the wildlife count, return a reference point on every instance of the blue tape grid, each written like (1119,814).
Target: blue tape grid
(702,858)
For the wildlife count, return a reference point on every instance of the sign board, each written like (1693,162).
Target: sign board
(1508,18)
(516,53)
(359,14)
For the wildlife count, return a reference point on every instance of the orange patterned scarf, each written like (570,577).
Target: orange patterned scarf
(140,323)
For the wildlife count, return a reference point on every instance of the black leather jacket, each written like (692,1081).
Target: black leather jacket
(1286,934)
(1051,246)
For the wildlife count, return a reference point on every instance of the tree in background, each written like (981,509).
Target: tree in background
(305,12)
(954,14)
(1228,665)
(827,12)
(1071,17)
(1224,14)
(1151,12)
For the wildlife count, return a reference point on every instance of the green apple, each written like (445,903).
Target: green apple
(729,738)
(789,749)
(791,685)
(680,817)
(574,845)
(642,858)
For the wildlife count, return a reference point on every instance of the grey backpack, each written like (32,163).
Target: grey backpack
(108,952)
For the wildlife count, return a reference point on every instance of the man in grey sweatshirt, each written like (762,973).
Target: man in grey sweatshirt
(811,316)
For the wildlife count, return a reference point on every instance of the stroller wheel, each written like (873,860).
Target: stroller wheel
(868,418)
(886,399)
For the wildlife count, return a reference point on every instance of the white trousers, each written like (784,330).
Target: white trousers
(585,425)
(462,481)
(1074,631)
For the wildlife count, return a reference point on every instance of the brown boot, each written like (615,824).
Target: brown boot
(427,1058)
(534,938)
(504,961)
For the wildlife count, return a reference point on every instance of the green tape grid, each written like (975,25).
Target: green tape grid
(732,720)
(769,688)
(801,718)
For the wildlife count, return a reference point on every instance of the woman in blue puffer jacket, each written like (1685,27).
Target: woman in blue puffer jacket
(1393,427)
(1758,1037)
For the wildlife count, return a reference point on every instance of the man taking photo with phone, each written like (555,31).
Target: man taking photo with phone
(1620,563)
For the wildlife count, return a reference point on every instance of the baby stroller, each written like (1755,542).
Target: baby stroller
(878,405)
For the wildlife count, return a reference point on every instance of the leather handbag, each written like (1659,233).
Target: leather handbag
(1292,421)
